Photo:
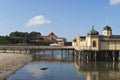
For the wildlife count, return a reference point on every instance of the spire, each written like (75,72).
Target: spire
(92,27)
(93,31)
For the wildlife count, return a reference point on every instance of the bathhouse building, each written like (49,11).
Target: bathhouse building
(106,45)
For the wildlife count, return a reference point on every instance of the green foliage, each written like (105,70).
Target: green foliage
(24,34)
(24,37)
(18,34)
(34,34)
(4,40)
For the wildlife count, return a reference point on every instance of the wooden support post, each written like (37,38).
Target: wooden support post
(83,56)
(79,55)
(119,56)
(61,54)
(75,53)
(43,54)
(113,53)
(94,56)
(52,52)
(87,56)
(90,55)
(68,54)
(106,56)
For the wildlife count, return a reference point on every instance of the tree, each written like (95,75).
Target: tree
(34,34)
(23,37)
(4,40)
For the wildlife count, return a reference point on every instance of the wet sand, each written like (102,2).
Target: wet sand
(10,62)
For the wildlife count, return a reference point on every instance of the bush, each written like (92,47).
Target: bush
(4,40)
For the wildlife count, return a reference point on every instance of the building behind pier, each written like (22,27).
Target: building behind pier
(107,43)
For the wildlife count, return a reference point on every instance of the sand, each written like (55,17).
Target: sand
(10,62)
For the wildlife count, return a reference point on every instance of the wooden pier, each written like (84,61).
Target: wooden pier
(31,48)
(22,47)
(97,55)
(83,54)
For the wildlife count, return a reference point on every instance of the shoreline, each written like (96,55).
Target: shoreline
(11,62)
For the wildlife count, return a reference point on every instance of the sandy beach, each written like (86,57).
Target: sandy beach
(10,62)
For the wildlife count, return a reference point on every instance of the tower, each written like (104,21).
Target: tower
(92,39)
(107,31)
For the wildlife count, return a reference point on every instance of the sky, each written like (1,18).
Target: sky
(66,18)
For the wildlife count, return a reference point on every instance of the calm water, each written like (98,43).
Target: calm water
(67,69)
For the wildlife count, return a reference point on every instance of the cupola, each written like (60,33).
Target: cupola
(93,32)
(107,31)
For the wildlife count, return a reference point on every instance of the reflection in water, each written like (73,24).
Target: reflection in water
(64,67)
(56,71)
(35,70)
(98,70)
(49,55)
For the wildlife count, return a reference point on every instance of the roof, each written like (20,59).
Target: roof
(83,37)
(107,28)
(93,32)
(112,36)
(52,34)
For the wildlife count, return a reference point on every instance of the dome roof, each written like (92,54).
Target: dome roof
(93,32)
(107,28)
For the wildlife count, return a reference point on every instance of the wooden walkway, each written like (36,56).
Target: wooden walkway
(33,47)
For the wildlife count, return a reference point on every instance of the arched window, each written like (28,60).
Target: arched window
(94,43)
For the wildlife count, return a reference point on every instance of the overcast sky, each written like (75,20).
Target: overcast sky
(65,18)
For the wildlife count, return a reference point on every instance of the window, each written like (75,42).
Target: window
(52,38)
(94,43)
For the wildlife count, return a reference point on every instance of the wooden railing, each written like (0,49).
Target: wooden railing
(9,47)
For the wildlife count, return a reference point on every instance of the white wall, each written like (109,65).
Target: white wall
(104,46)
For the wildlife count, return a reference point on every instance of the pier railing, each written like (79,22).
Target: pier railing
(82,48)
(23,47)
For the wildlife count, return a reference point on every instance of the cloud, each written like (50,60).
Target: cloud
(114,2)
(36,72)
(37,20)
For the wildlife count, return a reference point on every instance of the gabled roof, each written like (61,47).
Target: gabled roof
(52,34)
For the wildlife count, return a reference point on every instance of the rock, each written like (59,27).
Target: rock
(43,68)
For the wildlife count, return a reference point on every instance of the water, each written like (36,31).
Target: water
(67,69)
